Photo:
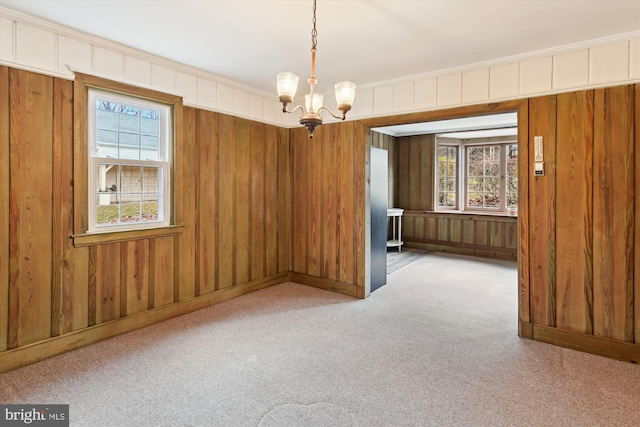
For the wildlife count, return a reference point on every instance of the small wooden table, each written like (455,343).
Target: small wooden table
(396,239)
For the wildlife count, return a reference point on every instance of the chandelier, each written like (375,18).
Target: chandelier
(311,117)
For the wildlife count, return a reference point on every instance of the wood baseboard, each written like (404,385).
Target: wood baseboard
(620,350)
(525,330)
(326,284)
(26,355)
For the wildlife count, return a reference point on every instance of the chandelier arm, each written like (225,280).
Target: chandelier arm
(297,107)
(341,117)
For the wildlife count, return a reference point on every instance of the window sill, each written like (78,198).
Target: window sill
(91,239)
(475,213)
(463,214)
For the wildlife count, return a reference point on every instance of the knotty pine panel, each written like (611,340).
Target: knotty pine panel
(161,272)
(329,204)
(107,282)
(30,206)
(284,208)
(242,214)
(636,249)
(69,311)
(207,185)
(348,175)
(4,206)
(574,213)
(301,159)
(226,202)
(613,200)
(259,212)
(187,201)
(134,277)
(271,193)
(314,208)
(356,134)
(542,122)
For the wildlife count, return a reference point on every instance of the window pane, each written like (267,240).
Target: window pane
(484,176)
(447,176)
(512,182)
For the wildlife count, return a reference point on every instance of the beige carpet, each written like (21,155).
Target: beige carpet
(437,346)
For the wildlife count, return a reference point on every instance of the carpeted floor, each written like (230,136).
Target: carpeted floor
(437,346)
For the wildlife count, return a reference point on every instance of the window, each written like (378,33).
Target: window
(477,176)
(129,169)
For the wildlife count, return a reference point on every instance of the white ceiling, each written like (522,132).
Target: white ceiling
(365,41)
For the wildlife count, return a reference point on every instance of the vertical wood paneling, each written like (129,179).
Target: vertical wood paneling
(346,158)
(186,197)
(107,282)
(419,227)
(415,174)
(301,160)
(226,202)
(285,222)
(636,249)
(524,174)
(271,196)
(161,271)
(259,184)
(4,206)
(443,229)
(243,197)
(135,277)
(542,115)
(403,173)
(574,271)
(30,230)
(51,288)
(207,196)
(455,230)
(69,296)
(467,231)
(481,232)
(329,204)
(613,201)
(360,150)
(496,234)
(314,197)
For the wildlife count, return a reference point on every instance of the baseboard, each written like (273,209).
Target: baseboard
(620,350)
(326,284)
(459,249)
(28,354)
(525,330)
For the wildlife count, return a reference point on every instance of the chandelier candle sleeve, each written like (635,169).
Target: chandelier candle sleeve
(311,113)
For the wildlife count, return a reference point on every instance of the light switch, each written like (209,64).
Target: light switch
(538,169)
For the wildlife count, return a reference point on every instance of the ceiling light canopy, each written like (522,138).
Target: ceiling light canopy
(311,113)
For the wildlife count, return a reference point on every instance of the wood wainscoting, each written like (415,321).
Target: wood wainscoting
(490,236)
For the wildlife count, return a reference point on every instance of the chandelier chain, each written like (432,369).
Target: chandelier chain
(314,32)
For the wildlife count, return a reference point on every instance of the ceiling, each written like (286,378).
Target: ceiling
(365,41)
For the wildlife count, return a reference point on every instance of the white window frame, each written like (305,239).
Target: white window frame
(461,177)
(163,165)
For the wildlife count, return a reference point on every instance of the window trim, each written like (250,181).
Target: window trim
(461,178)
(82,236)
(166,140)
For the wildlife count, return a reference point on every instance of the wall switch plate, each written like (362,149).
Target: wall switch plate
(538,169)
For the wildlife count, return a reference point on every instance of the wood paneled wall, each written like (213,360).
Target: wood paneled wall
(583,228)
(328,195)
(232,188)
